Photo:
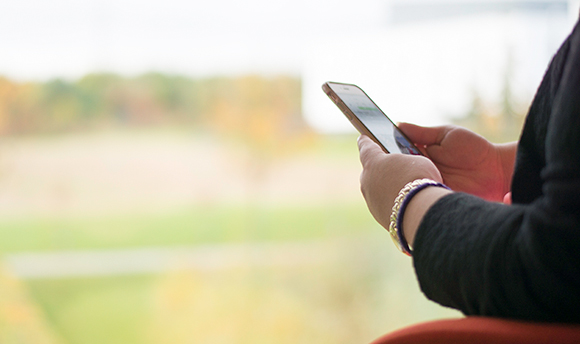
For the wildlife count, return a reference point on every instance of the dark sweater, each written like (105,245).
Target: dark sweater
(522,260)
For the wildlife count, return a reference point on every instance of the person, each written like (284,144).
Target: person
(504,241)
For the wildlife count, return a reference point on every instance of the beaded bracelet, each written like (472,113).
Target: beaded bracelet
(401,202)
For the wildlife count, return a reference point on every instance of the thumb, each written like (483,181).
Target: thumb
(424,135)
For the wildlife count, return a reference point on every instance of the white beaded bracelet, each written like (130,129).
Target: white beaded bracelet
(401,201)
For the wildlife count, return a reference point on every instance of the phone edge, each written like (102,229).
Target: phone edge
(353,119)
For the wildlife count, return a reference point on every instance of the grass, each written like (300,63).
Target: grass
(188,226)
(107,310)
(364,293)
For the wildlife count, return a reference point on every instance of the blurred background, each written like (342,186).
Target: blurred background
(171,172)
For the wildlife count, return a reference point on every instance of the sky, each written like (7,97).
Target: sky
(422,71)
(66,38)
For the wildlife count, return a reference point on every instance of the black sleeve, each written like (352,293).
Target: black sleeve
(520,261)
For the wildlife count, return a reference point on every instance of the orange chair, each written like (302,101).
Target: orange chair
(482,330)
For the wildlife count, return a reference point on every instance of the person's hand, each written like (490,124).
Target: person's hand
(384,175)
(467,162)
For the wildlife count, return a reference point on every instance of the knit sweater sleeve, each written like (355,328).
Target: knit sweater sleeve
(523,260)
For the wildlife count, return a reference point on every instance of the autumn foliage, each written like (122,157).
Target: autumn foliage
(249,107)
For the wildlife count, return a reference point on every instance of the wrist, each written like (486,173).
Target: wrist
(418,207)
(402,201)
(507,155)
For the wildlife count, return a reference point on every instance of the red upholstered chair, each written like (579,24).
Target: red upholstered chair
(480,330)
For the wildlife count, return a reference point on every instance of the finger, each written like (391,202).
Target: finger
(424,135)
(507,199)
(368,149)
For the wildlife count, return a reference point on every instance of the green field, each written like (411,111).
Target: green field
(186,226)
(369,289)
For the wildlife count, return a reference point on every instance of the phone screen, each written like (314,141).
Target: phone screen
(373,119)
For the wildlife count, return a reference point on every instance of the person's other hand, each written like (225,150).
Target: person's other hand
(467,162)
(384,175)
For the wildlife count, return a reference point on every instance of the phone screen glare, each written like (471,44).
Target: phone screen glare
(375,120)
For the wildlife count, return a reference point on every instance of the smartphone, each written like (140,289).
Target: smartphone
(368,119)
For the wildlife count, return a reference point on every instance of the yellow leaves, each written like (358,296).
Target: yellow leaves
(259,111)
(264,114)
(16,105)
(21,322)
(196,307)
